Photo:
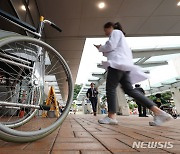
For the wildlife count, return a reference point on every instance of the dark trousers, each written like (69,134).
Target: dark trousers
(94,103)
(114,77)
(140,107)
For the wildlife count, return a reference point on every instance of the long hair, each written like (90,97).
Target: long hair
(116,25)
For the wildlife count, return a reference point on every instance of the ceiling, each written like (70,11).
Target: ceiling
(80,19)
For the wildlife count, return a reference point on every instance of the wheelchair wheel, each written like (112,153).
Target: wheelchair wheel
(28,68)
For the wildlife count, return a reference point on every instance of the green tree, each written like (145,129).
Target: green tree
(166,96)
(132,106)
(104,98)
(152,97)
(77,89)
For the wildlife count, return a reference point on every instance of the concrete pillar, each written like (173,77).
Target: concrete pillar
(98,105)
(122,105)
(83,106)
(98,102)
(176,97)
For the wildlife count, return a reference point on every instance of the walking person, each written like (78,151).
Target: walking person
(92,94)
(121,70)
(142,113)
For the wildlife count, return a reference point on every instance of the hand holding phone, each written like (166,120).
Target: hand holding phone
(97,46)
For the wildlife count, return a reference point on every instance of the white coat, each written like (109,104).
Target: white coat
(119,56)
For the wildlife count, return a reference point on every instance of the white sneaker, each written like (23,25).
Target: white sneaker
(108,120)
(160,119)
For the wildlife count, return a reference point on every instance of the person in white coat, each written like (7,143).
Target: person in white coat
(120,69)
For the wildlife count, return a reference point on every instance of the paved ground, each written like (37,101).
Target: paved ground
(81,134)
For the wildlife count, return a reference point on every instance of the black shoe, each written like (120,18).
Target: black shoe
(94,113)
(145,116)
(140,115)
